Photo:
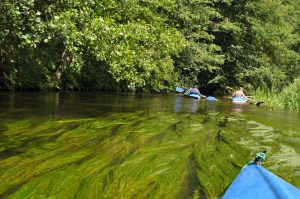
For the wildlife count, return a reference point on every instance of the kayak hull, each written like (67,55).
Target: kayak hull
(195,96)
(254,181)
(211,98)
(179,90)
(239,100)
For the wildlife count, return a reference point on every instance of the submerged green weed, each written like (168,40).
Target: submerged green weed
(135,155)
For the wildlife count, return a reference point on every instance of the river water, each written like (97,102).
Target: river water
(109,145)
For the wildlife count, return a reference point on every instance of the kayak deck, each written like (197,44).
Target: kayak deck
(239,100)
(195,96)
(179,90)
(254,181)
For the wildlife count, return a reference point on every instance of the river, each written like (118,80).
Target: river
(115,145)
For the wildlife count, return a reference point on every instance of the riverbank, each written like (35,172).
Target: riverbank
(287,98)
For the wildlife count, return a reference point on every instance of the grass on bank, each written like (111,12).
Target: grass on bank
(288,98)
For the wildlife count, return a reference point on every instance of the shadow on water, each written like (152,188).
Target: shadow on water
(106,145)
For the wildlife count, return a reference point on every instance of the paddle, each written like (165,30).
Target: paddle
(256,103)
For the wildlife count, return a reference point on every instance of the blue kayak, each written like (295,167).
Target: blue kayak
(256,182)
(193,96)
(179,90)
(239,100)
(211,98)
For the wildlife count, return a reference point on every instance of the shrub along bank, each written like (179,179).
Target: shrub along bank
(148,45)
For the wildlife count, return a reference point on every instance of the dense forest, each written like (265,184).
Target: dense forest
(148,45)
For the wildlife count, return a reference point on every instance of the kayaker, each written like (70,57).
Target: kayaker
(240,93)
(194,90)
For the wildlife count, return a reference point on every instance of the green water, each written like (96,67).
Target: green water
(95,145)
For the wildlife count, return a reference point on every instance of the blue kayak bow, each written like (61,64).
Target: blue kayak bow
(256,182)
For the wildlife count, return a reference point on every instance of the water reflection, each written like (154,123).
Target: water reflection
(56,108)
(211,106)
(59,105)
(183,104)
(237,108)
(178,103)
(193,105)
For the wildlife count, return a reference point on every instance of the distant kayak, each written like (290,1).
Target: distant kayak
(193,96)
(254,181)
(179,90)
(239,100)
(211,98)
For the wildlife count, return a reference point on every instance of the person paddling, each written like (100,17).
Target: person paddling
(194,90)
(240,93)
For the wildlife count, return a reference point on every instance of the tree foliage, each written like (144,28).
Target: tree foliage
(148,44)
